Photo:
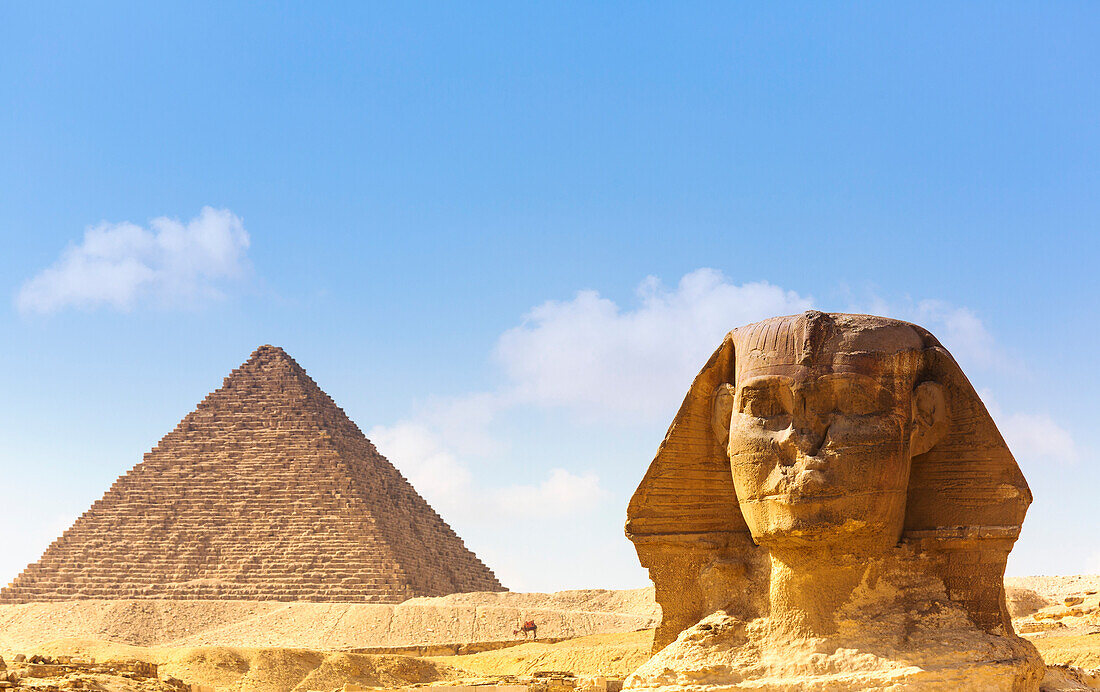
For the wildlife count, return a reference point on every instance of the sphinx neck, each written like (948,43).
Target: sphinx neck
(809,586)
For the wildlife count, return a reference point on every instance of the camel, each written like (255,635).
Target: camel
(528,626)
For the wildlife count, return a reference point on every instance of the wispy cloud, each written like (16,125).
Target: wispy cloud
(561,494)
(1037,437)
(1034,438)
(117,265)
(958,328)
(447,483)
(433,469)
(590,355)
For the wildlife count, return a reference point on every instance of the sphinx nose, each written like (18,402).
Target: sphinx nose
(804,437)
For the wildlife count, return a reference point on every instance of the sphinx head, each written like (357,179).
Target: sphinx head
(821,424)
(847,432)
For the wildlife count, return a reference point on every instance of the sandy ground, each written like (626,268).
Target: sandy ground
(611,655)
(1082,651)
(1066,628)
(279,669)
(327,626)
(293,646)
(1055,587)
(96,682)
(248,645)
(265,669)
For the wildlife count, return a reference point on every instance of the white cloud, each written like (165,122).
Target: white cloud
(562,494)
(589,354)
(961,331)
(448,485)
(1033,438)
(1037,437)
(464,421)
(421,457)
(117,265)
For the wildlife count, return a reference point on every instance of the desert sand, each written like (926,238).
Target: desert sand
(326,626)
(227,645)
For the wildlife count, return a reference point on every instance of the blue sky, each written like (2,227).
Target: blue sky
(504,236)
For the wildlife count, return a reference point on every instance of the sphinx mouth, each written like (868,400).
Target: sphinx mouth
(808,482)
(795,496)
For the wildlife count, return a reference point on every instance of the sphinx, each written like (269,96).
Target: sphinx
(832,509)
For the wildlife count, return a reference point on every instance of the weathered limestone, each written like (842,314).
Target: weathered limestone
(267,491)
(832,509)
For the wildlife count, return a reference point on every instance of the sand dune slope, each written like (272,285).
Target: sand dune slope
(455,618)
(265,669)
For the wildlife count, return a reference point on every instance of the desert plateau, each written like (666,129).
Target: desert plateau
(588,640)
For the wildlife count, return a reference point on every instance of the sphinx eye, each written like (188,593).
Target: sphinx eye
(762,403)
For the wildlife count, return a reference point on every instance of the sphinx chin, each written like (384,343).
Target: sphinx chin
(853,536)
(825,521)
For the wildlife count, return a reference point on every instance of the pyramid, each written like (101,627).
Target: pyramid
(266,491)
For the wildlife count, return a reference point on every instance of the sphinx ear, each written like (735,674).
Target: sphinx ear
(722,411)
(929,417)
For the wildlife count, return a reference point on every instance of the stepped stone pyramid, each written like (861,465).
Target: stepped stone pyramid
(266,491)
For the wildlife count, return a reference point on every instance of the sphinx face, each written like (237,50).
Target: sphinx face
(820,452)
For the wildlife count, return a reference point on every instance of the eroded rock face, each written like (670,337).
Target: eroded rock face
(1022,602)
(832,508)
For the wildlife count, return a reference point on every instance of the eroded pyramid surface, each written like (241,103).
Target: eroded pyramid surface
(266,491)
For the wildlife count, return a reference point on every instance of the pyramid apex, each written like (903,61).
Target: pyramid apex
(267,351)
(267,358)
